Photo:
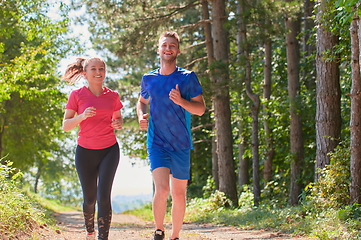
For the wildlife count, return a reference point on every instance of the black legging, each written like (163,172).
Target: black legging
(96,171)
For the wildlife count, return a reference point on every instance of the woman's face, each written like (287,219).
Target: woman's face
(95,71)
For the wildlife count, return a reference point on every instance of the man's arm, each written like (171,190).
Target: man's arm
(195,106)
(142,112)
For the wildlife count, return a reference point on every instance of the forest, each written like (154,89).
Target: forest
(281,80)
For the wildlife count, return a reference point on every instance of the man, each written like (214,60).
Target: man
(174,94)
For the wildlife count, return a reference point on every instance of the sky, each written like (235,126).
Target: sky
(130,179)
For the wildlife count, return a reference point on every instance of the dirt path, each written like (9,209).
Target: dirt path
(130,227)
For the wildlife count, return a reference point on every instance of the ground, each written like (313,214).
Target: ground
(130,227)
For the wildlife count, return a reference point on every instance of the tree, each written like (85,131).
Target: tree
(355,124)
(328,92)
(292,22)
(221,102)
(31,100)
(255,107)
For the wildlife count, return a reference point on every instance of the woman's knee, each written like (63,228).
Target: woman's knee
(89,201)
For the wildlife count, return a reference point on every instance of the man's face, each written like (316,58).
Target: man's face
(168,49)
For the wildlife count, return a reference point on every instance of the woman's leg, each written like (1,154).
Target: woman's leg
(87,167)
(107,170)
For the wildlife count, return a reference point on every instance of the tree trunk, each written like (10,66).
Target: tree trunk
(255,107)
(296,137)
(37,178)
(267,89)
(243,166)
(328,92)
(355,124)
(215,162)
(243,162)
(308,48)
(210,57)
(221,102)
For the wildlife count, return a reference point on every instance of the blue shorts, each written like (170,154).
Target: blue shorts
(177,161)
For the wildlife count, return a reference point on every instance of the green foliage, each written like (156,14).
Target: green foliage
(246,199)
(216,202)
(31,99)
(332,188)
(347,10)
(18,216)
(144,213)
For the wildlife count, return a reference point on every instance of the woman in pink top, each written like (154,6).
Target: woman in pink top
(96,109)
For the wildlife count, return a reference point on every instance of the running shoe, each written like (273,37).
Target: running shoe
(158,235)
(90,236)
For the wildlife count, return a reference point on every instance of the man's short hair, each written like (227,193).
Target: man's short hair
(170,34)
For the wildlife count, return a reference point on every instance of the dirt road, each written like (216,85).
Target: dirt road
(130,227)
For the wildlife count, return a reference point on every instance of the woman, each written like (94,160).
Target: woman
(96,109)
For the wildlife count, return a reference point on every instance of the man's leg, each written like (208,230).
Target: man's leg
(161,182)
(179,190)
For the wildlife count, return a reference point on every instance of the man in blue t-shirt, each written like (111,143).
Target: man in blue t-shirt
(174,94)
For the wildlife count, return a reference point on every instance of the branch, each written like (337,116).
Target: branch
(180,9)
(201,141)
(202,126)
(195,60)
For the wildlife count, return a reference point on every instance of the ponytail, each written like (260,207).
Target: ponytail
(73,72)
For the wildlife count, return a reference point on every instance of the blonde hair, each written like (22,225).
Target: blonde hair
(171,34)
(74,71)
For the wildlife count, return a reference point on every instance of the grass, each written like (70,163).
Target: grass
(22,212)
(302,220)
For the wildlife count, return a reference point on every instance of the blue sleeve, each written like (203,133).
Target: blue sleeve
(195,86)
(143,91)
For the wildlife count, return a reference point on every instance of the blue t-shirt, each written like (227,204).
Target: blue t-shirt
(169,124)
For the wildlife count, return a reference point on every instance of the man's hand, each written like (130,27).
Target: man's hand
(117,124)
(175,95)
(143,122)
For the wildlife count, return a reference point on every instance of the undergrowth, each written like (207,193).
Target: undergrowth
(323,212)
(18,216)
(22,213)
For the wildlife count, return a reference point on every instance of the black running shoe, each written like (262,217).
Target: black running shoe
(158,235)
(174,239)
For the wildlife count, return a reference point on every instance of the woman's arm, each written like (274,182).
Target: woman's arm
(71,121)
(117,120)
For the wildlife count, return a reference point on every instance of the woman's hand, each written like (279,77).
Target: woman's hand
(117,124)
(88,112)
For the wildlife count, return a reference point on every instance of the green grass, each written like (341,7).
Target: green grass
(22,212)
(302,220)
(144,213)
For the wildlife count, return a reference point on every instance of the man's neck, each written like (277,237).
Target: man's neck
(166,69)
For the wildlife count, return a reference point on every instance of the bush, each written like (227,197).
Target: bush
(332,188)
(17,215)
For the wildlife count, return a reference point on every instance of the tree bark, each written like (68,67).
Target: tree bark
(308,48)
(328,92)
(255,107)
(267,89)
(296,136)
(215,162)
(210,56)
(221,102)
(243,162)
(355,123)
